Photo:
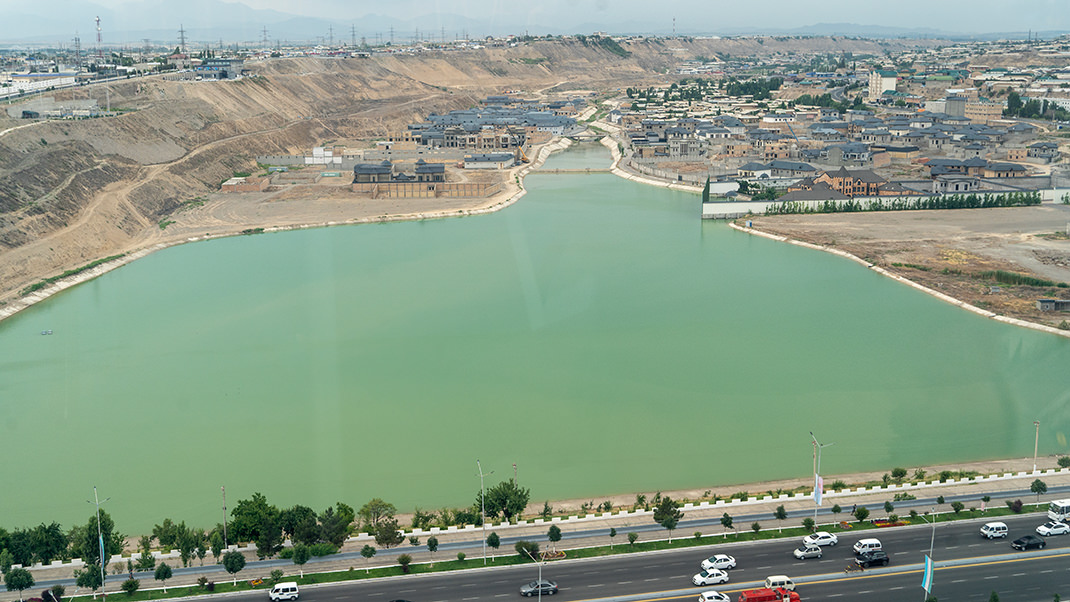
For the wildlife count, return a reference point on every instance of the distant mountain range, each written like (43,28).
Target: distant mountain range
(214,21)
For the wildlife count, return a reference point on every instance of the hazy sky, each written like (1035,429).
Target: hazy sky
(947,15)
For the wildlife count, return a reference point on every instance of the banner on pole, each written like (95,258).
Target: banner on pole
(819,486)
(927,580)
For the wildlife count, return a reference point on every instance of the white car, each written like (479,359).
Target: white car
(1053,529)
(719,561)
(712,596)
(710,577)
(821,538)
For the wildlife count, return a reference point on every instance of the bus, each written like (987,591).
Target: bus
(1059,510)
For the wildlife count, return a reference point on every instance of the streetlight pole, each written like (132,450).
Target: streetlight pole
(224,490)
(483,508)
(817,473)
(538,583)
(932,540)
(1036,442)
(100,538)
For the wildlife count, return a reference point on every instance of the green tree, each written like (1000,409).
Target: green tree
(667,514)
(726,522)
(781,515)
(432,547)
(6,560)
(1038,487)
(367,552)
(525,548)
(301,554)
(808,524)
(146,562)
(957,506)
(252,515)
(861,513)
(506,498)
(493,541)
(898,474)
(632,537)
(216,540)
(84,542)
(994,597)
(756,526)
(166,534)
(554,535)
(163,573)
(888,507)
(1064,461)
(276,576)
(290,518)
(375,511)
(234,562)
(836,509)
(88,577)
(18,579)
(612,534)
(269,536)
(387,533)
(404,561)
(130,586)
(49,542)
(1014,104)
(336,524)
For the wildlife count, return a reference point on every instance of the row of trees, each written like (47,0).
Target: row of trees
(1034,109)
(953,201)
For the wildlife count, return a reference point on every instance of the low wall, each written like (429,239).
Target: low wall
(417,190)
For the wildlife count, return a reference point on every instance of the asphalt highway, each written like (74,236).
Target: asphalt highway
(969,567)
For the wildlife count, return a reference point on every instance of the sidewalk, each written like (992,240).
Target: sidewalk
(470,540)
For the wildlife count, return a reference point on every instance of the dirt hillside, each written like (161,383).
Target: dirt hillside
(75,191)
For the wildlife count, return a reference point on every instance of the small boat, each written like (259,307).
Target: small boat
(46,332)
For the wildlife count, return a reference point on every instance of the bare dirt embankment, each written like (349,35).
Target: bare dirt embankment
(948,251)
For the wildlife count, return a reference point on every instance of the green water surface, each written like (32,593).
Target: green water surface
(596,333)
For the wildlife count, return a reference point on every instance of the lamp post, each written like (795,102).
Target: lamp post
(224,490)
(1036,442)
(538,583)
(817,473)
(483,507)
(100,538)
(932,540)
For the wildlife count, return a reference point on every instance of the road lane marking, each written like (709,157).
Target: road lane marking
(992,577)
(623,582)
(475,598)
(959,581)
(501,595)
(892,589)
(1018,575)
(597,585)
(654,579)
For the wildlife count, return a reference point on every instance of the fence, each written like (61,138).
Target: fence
(416,190)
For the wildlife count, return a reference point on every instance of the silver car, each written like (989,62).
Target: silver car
(807,551)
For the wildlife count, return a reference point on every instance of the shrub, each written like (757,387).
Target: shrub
(632,537)
(940,500)
(1015,506)
(919,474)
(756,527)
(902,497)
(322,549)
(286,553)
(1064,462)
(460,556)
(210,586)
(58,591)
(130,586)
(945,475)
(893,518)
(957,506)
(698,535)
(861,513)
(414,541)
(404,561)
(888,507)
(913,514)
(276,576)
(808,524)
(202,581)
(838,485)
(836,509)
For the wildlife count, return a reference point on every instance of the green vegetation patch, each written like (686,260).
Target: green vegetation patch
(47,281)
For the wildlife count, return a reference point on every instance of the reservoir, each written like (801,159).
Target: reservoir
(597,334)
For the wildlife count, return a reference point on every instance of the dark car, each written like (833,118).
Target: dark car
(874,558)
(536,587)
(1028,541)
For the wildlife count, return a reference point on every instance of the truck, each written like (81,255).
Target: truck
(768,595)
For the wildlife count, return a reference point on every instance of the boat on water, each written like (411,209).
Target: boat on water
(46,332)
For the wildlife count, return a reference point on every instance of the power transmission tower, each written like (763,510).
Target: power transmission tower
(391,35)
(77,54)
(100,48)
(330,33)
(264,37)
(352,35)
(181,39)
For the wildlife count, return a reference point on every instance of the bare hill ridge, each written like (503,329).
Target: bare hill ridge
(75,191)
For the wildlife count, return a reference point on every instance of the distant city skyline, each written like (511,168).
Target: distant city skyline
(246,20)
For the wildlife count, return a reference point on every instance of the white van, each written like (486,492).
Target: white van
(284,591)
(867,545)
(781,581)
(994,530)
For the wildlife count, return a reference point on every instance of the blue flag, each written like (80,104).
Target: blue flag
(927,580)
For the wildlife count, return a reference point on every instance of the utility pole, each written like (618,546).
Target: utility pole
(224,490)
(1036,442)
(818,485)
(330,34)
(483,508)
(100,537)
(352,35)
